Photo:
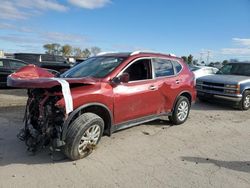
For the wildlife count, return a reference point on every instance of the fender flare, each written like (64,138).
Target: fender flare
(176,99)
(72,114)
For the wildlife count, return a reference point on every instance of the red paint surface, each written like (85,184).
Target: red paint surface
(126,101)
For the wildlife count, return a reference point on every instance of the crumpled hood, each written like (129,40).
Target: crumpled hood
(227,79)
(32,76)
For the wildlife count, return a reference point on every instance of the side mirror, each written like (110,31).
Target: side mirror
(123,78)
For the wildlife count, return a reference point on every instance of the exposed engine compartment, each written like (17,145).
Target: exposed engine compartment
(43,120)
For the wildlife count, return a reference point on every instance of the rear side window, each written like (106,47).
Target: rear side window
(17,64)
(4,64)
(177,66)
(163,67)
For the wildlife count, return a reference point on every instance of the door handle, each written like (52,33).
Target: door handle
(177,81)
(152,87)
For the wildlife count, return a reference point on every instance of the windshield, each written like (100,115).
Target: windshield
(97,67)
(242,69)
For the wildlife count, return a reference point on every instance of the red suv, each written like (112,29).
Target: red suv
(103,94)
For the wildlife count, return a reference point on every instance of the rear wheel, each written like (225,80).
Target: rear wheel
(83,135)
(181,111)
(245,102)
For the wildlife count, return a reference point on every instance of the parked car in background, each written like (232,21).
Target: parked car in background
(231,84)
(79,60)
(55,62)
(8,66)
(107,93)
(200,71)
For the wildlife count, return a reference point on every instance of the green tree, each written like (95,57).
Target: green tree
(225,62)
(48,48)
(53,48)
(56,49)
(184,58)
(66,50)
(95,50)
(77,52)
(190,59)
(86,53)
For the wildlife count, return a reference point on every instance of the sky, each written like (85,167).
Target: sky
(218,28)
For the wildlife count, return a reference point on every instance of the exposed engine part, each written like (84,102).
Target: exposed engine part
(43,121)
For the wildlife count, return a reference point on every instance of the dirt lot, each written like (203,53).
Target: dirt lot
(210,150)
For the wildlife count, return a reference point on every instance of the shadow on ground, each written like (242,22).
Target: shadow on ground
(13,151)
(242,166)
(209,106)
(15,92)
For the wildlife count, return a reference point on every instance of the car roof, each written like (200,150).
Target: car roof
(244,62)
(128,54)
(4,58)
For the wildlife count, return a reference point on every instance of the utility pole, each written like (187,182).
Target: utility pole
(201,54)
(208,56)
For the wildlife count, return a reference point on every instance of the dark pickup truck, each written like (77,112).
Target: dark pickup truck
(231,84)
(48,61)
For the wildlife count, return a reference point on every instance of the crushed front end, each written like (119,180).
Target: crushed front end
(43,120)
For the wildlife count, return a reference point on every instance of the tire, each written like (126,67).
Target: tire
(245,102)
(179,117)
(83,135)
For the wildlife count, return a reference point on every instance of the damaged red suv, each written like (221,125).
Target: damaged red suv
(105,93)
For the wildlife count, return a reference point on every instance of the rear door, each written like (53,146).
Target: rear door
(167,80)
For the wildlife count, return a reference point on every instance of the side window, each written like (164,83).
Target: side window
(163,67)
(177,66)
(140,70)
(4,64)
(1,64)
(16,64)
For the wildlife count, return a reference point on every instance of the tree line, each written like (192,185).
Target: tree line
(68,50)
(191,61)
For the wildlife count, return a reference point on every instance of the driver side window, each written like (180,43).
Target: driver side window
(140,70)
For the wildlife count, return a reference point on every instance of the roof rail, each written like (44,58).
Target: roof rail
(139,52)
(103,53)
(173,55)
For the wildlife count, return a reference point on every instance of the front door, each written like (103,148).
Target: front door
(140,96)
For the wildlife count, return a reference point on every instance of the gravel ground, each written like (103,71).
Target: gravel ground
(210,150)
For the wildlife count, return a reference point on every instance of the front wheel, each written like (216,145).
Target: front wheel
(181,111)
(83,135)
(245,102)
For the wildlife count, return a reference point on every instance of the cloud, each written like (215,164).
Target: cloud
(9,11)
(242,42)
(236,51)
(6,26)
(23,9)
(89,4)
(11,27)
(19,39)
(35,40)
(242,49)
(41,5)
(63,38)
